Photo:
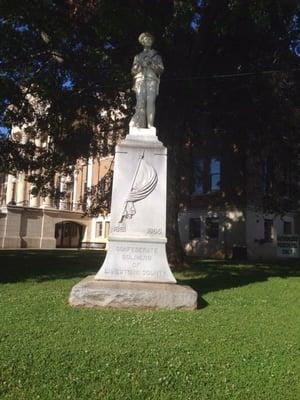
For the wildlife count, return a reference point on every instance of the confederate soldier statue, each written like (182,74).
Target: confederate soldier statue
(146,70)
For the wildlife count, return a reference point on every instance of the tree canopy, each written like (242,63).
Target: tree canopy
(235,61)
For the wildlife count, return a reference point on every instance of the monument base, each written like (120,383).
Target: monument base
(93,293)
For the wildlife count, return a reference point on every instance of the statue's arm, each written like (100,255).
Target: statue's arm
(136,66)
(157,65)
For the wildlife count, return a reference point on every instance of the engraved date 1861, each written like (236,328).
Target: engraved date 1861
(121,228)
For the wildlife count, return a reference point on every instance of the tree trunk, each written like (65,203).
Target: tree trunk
(174,247)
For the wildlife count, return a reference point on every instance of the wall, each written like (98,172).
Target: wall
(257,247)
(26,227)
(231,233)
(241,234)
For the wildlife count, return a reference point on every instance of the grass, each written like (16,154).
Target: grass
(243,343)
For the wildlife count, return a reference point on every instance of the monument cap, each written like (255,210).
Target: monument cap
(144,35)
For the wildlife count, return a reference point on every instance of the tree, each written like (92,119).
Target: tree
(74,57)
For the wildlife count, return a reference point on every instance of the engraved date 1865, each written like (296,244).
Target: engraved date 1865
(154,231)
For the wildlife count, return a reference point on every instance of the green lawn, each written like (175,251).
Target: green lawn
(243,343)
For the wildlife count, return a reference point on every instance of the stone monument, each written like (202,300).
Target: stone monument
(136,273)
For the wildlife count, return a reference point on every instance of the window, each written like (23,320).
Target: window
(194,228)
(287,180)
(268,230)
(99,228)
(212,228)
(69,186)
(207,175)
(106,229)
(267,171)
(287,228)
(198,176)
(215,174)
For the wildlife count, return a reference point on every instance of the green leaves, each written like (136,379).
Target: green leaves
(74,57)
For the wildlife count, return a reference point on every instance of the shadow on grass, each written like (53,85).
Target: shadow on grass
(206,276)
(203,275)
(18,266)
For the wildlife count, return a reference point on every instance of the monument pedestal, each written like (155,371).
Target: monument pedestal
(93,293)
(137,241)
(136,272)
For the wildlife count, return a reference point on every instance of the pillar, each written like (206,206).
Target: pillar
(75,185)
(89,180)
(62,188)
(9,189)
(20,189)
(34,201)
(47,200)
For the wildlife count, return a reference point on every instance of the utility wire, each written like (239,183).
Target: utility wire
(208,77)
(239,74)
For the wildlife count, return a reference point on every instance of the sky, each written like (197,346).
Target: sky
(3,131)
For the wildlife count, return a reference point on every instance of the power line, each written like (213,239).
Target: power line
(214,76)
(232,75)
(197,78)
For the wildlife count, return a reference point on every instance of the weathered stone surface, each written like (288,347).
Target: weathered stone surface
(120,294)
(137,237)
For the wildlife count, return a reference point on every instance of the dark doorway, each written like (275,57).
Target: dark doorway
(68,234)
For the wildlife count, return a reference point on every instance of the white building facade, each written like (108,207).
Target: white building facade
(28,221)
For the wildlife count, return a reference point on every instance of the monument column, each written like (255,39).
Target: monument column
(135,272)
(137,238)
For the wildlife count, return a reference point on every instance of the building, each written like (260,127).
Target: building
(223,217)
(34,222)
(28,221)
